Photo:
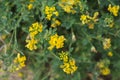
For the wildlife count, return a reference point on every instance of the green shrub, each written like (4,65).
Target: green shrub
(61,39)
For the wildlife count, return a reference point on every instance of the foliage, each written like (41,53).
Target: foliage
(61,39)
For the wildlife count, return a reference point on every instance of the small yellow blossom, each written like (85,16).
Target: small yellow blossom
(67,8)
(68,5)
(56,41)
(70,2)
(30,6)
(36,26)
(91,25)
(50,11)
(32,0)
(64,56)
(59,43)
(105,71)
(55,23)
(106,43)
(100,64)
(114,9)
(35,29)
(103,66)
(56,13)
(52,41)
(94,18)
(109,22)
(69,67)
(31,44)
(110,54)
(84,19)
(19,61)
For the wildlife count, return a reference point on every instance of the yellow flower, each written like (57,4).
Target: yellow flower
(56,41)
(30,6)
(32,34)
(52,41)
(114,10)
(68,5)
(91,25)
(56,13)
(105,71)
(69,67)
(94,18)
(67,8)
(31,44)
(110,54)
(50,11)
(106,43)
(55,23)
(48,17)
(35,28)
(64,56)
(85,19)
(59,42)
(32,0)
(101,64)
(19,61)
(109,22)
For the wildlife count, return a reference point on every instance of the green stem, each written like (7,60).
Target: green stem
(55,55)
(15,34)
(111,2)
(88,37)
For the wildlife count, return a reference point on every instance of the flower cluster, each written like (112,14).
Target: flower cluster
(68,5)
(110,54)
(64,56)
(86,19)
(68,65)
(109,22)
(50,11)
(56,41)
(32,0)
(34,30)
(105,71)
(114,10)
(31,44)
(103,67)
(55,23)
(30,6)
(106,43)
(19,61)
